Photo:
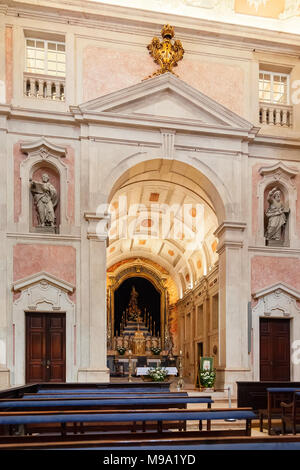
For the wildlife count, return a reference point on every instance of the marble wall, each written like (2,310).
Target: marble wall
(100,133)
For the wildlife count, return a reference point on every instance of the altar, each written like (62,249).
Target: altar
(119,365)
(137,330)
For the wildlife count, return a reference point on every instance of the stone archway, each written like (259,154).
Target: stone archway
(142,126)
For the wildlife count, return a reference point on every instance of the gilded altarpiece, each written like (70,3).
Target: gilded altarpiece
(154,335)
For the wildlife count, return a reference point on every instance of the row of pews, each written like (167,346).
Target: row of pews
(120,416)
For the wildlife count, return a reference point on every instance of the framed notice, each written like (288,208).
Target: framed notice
(206,364)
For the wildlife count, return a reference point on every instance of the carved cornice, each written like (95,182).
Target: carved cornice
(277,288)
(139,22)
(230,235)
(43,147)
(98,226)
(44,278)
(277,169)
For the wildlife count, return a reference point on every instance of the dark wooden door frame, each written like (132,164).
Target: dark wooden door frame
(275,369)
(46,347)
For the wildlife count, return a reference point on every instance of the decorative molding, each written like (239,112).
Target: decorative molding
(278,174)
(220,116)
(121,19)
(168,143)
(43,152)
(44,279)
(276,301)
(99,225)
(42,293)
(277,169)
(44,237)
(44,148)
(277,288)
(230,235)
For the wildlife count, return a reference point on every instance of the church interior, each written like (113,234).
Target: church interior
(149,225)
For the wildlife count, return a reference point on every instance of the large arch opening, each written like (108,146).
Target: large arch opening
(164,216)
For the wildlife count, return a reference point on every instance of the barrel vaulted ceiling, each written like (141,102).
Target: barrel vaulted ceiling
(183,244)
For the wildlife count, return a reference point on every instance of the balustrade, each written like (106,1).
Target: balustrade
(44,87)
(275,115)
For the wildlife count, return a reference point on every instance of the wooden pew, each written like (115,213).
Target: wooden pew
(275,395)
(101,395)
(145,403)
(130,417)
(291,414)
(47,387)
(152,442)
(118,403)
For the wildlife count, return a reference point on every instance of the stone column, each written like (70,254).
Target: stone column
(233,292)
(94,274)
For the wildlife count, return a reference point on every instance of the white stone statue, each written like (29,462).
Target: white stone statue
(276,215)
(45,200)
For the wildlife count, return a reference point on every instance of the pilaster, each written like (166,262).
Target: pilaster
(93,365)
(233,301)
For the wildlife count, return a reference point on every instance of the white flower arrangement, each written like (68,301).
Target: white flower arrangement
(207,378)
(157,374)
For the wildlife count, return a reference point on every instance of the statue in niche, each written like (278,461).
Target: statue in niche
(134,313)
(276,216)
(45,200)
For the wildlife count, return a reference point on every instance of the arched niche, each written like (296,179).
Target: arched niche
(281,176)
(283,232)
(42,154)
(36,174)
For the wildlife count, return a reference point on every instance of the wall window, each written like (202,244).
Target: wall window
(273,87)
(45,57)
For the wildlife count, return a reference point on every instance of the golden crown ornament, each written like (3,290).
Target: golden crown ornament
(166,54)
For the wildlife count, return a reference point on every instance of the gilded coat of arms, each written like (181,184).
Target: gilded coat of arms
(166,54)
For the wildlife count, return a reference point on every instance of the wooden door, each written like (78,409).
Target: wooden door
(274,350)
(45,347)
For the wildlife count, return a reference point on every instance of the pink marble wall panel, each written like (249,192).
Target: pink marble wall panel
(224,83)
(107,70)
(269,270)
(9,63)
(60,261)
(54,180)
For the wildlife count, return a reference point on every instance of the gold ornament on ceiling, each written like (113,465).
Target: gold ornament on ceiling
(167,53)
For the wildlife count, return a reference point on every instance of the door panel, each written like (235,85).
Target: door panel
(56,349)
(274,349)
(35,348)
(45,347)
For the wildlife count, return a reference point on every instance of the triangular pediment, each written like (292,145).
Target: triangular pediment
(277,288)
(44,278)
(164,98)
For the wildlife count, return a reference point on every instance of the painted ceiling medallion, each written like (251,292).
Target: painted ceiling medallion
(257,3)
(166,53)
(147,223)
